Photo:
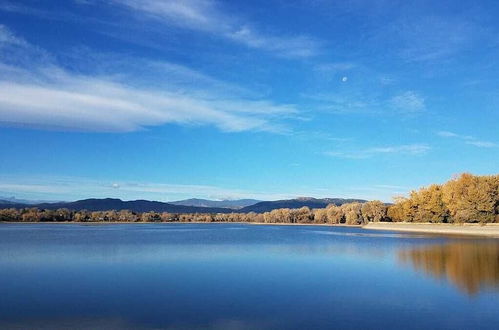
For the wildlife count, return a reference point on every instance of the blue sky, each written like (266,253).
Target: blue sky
(167,100)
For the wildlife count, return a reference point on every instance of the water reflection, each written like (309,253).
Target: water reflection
(472,267)
(204,276)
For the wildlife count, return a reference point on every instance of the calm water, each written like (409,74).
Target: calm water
(233,276)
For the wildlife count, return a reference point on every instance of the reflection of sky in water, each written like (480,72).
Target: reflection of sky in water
(242,276)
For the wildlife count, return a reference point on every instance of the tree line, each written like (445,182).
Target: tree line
(351,213)
(466,198)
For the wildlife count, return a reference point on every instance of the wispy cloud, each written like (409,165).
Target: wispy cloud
(8,38)
(447,134)
(73,188)
(482,144)
(435,37)
(360,100)
(46,95)
(408,102)
(9,6)
(408,149)
(92,104)
(334,67)
(345,102)
(427,38)
(468,139)
(208,16)
(379,191)
(318,136)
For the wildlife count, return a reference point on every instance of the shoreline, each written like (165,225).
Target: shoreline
(467,229)
(298,224)
(178,222)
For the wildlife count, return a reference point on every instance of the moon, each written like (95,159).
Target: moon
(344,79)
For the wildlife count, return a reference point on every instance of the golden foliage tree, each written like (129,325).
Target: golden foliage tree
(353,213)
(472,198)
(334,214)
(374,211)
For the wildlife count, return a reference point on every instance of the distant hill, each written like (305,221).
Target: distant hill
(230,204)
(13,200)
(117,204)
(106,204)
(297,203)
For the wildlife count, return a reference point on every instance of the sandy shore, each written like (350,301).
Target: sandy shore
(297,224)
(489,230)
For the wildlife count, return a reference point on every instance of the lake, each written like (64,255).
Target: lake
(242,276)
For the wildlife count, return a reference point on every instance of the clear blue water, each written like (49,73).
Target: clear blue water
(235,276)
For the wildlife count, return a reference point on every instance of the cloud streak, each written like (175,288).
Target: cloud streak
(7,38)
(427,38)
(408,102)
(207,16)
(72,188)
(408,149)
(92,104)
(46,95)
(468,139)
(360,100)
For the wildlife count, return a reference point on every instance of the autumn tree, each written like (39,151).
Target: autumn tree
(301,215)
(31,215)
(472,198)
(10,215)
(353,213)
(428,205)
(374,211)
(334,214)
(320,215)
(82,216)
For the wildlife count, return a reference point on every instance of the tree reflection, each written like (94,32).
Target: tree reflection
(470,266)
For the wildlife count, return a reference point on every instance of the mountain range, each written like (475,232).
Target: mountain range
(313,203)
(105,204)
(14,200)
(228,203)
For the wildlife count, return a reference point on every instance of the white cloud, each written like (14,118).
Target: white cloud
(447,134)
(428,38)
(74,188)
(413,149)
(331,68)
(198,14)
(44,95)
(408,149)
(482,144)
(207,16)
(8,38)
(408,102)
(379,191)
(87,103)
(71,188)
(468,139)
(353,88)
(364,100)
(345,102)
